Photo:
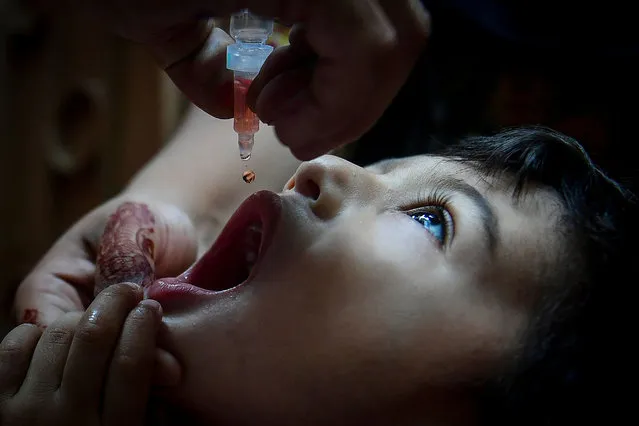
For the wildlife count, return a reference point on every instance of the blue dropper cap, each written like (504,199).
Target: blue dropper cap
(249,52)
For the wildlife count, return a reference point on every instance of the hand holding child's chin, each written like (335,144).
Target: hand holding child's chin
(95,368)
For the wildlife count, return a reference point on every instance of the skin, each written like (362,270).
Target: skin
(456,311)
(189,208)
(86,369)
(358,314)
(182,215)
(346,62)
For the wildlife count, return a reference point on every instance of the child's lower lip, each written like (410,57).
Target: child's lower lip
(173,294)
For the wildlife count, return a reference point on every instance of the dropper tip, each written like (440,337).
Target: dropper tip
(245,142)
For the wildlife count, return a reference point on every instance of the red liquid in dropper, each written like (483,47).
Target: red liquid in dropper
(246,121)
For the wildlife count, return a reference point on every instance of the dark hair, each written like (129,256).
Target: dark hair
(571,369)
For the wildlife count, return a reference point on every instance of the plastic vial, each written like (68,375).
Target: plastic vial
(245,58)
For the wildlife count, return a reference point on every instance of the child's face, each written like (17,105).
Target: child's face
(367,293)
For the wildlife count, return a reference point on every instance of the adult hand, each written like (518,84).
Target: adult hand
(346,62)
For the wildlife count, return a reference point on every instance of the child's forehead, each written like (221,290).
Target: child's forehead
(391,164)
(427,170)
(422,165)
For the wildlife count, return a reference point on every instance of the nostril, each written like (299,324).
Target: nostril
(308,188)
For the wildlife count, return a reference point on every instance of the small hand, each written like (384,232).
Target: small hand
(64,279)
(85,369)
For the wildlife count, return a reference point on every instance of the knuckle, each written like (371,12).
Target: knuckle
(67,321)
(59,336)
(92,333)
(13,345)
(128,362)
(11,349)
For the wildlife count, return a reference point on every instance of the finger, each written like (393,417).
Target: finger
(93,343)
(167,369)
(178,243)
(16,351)
(411,21)
(341,101)
(203,76)
(50,356)
(277,97)
(129,380)
(282,60)
(141,241)
(180,42)
(297,38)
(357,29)
(362,64)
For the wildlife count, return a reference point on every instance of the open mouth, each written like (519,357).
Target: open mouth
(234,258)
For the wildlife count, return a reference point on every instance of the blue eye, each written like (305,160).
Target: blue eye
(434,220)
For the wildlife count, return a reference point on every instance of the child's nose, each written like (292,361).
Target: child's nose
(328,182)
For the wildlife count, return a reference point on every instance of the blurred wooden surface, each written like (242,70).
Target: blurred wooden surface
(80,112)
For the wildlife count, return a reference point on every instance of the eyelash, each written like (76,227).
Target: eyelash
(428,201)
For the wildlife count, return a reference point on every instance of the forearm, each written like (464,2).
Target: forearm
(200,171)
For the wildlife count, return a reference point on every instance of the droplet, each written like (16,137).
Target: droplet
(245,143)
(248,176)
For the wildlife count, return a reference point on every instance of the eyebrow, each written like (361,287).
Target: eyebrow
(488,217)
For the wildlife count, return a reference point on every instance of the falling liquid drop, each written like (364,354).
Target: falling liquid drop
(248,176)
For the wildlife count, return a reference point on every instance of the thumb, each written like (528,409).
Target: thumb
(141,242)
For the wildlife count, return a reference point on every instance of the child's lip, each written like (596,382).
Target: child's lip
(182,291)
(174,294)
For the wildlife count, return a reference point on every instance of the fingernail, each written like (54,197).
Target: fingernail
(153,305)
